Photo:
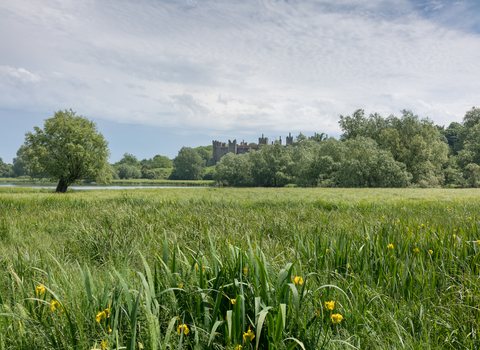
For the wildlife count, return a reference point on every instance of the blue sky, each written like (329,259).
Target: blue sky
(159,75)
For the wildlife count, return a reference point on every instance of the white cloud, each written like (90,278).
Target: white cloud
(215,65)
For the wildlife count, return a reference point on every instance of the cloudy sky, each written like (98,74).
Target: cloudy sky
(158,75)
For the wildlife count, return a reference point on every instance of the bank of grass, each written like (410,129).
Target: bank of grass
(145,182)
(240,267)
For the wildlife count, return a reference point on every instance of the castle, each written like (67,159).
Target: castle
(221,148)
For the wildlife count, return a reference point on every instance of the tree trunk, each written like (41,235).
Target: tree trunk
(61,187)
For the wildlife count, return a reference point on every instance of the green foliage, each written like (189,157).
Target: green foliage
(68,148)
(6,170)
(452,136)
(234,170)
(157,162)
(188,165)
(271,166)
(205,152)
(129,159)
(126,171)
(20,165)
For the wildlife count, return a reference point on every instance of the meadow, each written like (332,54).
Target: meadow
(223,268)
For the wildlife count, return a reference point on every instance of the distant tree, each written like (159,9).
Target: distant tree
(20,166)
(129,159)
(451,134)
(299,139)
(205,152)
(234,170)
(67,149)
(161,162)
(188,165)
(126,171)
(6,169)
(271,166)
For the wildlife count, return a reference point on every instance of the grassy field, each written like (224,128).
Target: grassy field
(221,268)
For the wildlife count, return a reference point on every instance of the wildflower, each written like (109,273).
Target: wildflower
(109,329)
(248,335)
(104,344)
(470,218)
(430,251)
(418,226)
(298,280)
(383,217)
(180,286)
(239,347)
(54,305)
(326,251)
(408,228)
(245,271)
(415,250)
(317,314)
(196,266)
(348,266)
(390,246)
(184,328)
(454,236)
(398,221)
(40,290)
(337,318)
(329,305)
(107,310)
(478,241)
(232,301)
(421,225)
(100,316)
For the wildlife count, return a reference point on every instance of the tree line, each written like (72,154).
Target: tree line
(373,151)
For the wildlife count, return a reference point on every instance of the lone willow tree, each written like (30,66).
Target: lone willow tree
(67,149)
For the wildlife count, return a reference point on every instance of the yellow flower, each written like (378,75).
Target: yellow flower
(298,280)
(421,225)
(239,347)
(100,316)
(390,246)
(348,266)
(408,228)
(109,329)
(248,335)
(430,251)
(454,236)
(478,241)
(54,305)
(232,301)
(317,314)
(40,290)
(470,218)
(245,271)
(180,286)
(398,221)
(104,344)
(196,266)
(416,250)
(337,318)
(383,217)
(329,305)
(184,328)
(326,251)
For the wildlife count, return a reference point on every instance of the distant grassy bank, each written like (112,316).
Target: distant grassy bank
(146,182)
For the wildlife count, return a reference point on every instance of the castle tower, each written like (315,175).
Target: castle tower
(290,139)
(263,140)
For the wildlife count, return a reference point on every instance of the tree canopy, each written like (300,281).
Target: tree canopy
(68,148)
(188,165)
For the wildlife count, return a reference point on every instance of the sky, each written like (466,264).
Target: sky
(159,75)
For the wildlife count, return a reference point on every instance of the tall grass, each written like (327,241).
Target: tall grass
(239,269)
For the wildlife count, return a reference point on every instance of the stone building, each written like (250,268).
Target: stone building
(220,149)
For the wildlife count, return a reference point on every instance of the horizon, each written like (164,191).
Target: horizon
(157,76)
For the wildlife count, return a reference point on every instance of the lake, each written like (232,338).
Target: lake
(93,187)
